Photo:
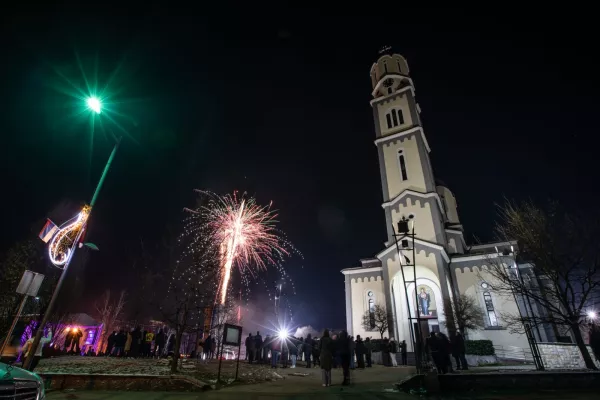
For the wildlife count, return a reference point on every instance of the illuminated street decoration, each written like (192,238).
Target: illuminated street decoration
(62,243)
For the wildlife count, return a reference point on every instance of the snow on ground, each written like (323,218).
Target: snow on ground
(147,366)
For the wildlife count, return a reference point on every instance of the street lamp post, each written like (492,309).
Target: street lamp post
(95,105)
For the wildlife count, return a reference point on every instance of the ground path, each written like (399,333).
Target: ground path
(371,383)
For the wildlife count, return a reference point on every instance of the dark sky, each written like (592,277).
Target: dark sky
(279,106)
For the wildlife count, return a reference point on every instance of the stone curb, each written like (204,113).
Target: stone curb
(180,383)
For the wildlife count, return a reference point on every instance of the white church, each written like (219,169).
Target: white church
(445,264)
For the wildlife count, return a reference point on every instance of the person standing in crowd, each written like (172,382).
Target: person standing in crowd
(343,346)
(111,343)
(265,349)
(368,351)
(393,351)
(252,348)
(69,340)
(258,345)
(27,348)
(385,353)
(403,352)
(285,353)
(159,343)
(293,352)
(148,339)
(445,351)
(315,352)
(207,346)
(119,347)
(326,357)
(458,351)
(136,337)
(77,334)
(128,343)
(301,349)
(352,352)
(213,348)
(247,345)
(360,352)
(275,350)
(307,349)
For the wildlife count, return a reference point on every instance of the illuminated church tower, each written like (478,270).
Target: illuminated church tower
(442,268)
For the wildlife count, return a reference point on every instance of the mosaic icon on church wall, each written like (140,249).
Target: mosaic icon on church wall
(426,302)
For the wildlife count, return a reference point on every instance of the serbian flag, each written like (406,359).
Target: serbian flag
(48,231)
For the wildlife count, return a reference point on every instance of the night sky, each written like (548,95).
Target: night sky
(279,107)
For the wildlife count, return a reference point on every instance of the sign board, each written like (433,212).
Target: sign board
(232,335)
(30,283)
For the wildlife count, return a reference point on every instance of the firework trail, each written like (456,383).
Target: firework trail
(246,235)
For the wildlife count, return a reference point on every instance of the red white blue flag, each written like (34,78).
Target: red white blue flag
(48,231)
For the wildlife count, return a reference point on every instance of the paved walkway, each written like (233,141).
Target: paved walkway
(376,382)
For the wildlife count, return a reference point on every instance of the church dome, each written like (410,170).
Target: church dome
(389,73)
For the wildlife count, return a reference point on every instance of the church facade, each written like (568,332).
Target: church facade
(444,265)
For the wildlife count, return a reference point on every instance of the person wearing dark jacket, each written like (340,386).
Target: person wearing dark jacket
(206,348)
(458,351)
(247,345)
(326,349)
(266,346)
(258,344)
(136,342)
(159,343)
(293,348)
(111,343)
(445,351)
(368,351)
(119,349)
(403,352)
(385,353)
(343,346)
(307,349)
(252,348)
(360,352)
(315,352)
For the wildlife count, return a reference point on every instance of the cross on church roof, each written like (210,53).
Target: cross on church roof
(385,49)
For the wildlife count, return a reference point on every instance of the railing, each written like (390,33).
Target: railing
(513,353)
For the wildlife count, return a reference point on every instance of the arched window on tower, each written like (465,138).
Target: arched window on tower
(372,313)
(489,306)
(394,118)
(402,163)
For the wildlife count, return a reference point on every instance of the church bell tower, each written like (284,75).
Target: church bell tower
(407,179)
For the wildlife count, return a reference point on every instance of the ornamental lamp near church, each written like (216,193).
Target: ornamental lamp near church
(403,227)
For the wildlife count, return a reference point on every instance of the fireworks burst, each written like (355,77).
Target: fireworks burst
(245,234)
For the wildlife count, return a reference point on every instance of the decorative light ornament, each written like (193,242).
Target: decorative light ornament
(62,243)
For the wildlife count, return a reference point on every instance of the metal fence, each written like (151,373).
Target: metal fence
(513,353)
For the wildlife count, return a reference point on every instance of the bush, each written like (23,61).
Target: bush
(480,347)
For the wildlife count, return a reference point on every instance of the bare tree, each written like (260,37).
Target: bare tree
(466,313)
(109,311)
(563,276)
(376,320)
(192,276)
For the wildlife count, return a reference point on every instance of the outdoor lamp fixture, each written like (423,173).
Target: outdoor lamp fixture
(403,227)
(283,334)
(94,104)
(592,315)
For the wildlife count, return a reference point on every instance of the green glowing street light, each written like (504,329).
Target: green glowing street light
(94,104)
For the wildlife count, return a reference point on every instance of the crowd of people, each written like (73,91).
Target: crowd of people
(138,343)
(440,348)
(327,352)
